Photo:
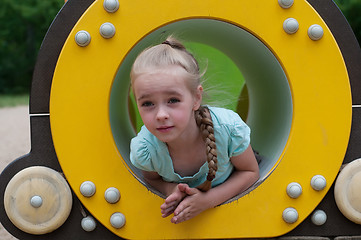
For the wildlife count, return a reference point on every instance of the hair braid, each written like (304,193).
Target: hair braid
(204,121)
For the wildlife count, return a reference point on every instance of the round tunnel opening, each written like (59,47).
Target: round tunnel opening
(266,93)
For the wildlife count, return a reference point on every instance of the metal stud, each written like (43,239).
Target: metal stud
(88,224)
(318,182)
(36,201)
(82,38)
(315,32)
(117,220)
(294,190)
(290,25)
(290,215)
(111,6)
(107,30)
(285,3)
(112,195)
(319,217)
(87,189)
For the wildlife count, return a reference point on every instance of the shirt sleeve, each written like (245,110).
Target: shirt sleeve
(239,138)
(140,154)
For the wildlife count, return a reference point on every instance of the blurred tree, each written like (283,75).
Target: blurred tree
(23,25)
(351,9)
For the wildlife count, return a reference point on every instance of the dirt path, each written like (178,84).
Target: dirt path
(14,141)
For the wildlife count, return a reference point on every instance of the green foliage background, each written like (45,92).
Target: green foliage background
(23,25)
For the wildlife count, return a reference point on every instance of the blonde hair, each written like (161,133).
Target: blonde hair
(170,52)
(173,52)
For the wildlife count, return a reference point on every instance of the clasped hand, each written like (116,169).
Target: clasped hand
(185,203)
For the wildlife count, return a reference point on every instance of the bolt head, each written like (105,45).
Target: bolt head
(294,190)
(117,220)
(318,182)
(111,6)
(112,195)
(315,32)
(290,25)
(319,217)
(107,30)
(87,189)
(290,215)
(285,3)
(88,224)
(36,201)
(82,38)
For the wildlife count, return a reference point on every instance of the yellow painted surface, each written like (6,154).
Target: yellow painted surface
(79,114)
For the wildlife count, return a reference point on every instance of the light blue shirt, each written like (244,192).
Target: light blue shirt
(232,136)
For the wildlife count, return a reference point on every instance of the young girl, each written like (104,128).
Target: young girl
(198,156)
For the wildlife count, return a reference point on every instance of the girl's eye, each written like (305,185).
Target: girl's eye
(147,104)
(173,100)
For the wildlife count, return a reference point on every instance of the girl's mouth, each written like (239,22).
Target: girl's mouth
(165,129)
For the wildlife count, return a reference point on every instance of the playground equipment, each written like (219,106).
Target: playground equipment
(300,61)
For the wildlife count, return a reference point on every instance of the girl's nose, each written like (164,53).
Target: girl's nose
(162,114)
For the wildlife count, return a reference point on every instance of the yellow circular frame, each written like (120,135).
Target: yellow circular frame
(83,140)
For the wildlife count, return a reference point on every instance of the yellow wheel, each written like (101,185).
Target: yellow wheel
(300,110)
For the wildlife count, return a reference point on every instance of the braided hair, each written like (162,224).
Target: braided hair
(205,124)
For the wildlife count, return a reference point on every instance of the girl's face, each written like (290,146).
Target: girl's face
(166,104)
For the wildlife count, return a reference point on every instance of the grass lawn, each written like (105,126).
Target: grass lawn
(13,100)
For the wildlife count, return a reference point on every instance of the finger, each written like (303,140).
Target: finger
(168,208)
(171,198)
(164,208)
(167,212)
(182,187)
(181,206)
(191,191)
(166,205)
(182,216)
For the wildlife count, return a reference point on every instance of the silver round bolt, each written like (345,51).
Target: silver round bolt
(107,30)
(82,38)
(117,220)
(319,217)
(294,190)
(315,32)
(111,5)
(88,224)
(285,3)
(36,201)
(290,215)
(87,189)
(290,25)
(318,182)
(112,195)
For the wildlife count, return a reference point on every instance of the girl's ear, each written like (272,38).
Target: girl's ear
(198,98)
